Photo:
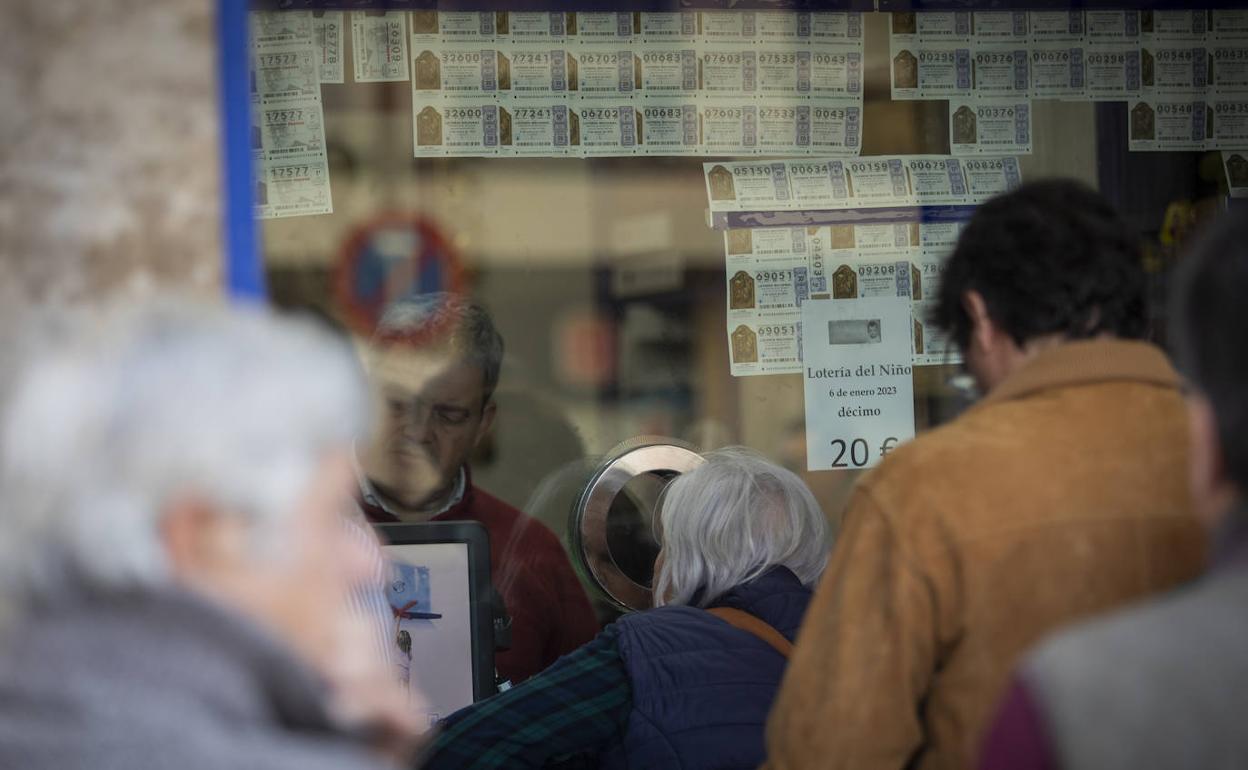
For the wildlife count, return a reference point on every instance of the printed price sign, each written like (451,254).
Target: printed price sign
(859,386)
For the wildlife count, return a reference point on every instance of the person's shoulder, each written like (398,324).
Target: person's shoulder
(1150,683)
(1175,638)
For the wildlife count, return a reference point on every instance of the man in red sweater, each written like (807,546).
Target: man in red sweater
(434,366)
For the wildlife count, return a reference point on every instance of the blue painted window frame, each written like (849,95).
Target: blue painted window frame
(243,273)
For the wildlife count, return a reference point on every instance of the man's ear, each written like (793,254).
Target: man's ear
(982,327)
(488,412)
(199,540)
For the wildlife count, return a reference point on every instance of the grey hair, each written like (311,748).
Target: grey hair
(730,520)
(455,320)
(109,422)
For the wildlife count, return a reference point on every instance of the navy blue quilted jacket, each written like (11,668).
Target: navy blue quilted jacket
(702,688)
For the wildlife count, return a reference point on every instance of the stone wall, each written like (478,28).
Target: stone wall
(109,179)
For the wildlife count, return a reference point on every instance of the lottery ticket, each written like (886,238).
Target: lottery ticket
(931,26)
(768,245)
(1235,163)
(607,129)
(606,73)
(1168,70)
(766,347)
(669,27)
(536,26)
(458,70)
(1229,129)
(855,280)
(1174,26)
(668,127)
(810,185)
(286,71)
(277,28)
(834,27)
(534,71)
(932,346)
(840,243)
(897,277)
(1230,67)
(327,31)
(455,126)
(783,26)
(1113,73)
(939,238)
(724,71)
(758,291)
(668,71)
(1001,70)
(1056,26)
(836,128)
(455,26)
(291,127)
(294,187)
(727,26)
(783,71)
(930,271)
(728,126)
(1229,25)
(945,26)
(1167,124)
(1058,71)
(783,128)
(539,127)
(1001,27)
(931,71)
(596,27)
(988,177)
(379,46)
(873,181)
(762,186)
(836,71)
(1112,26)
(982,126)
(936,180)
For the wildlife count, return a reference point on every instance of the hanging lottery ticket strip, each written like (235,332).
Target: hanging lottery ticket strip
(1184,74)
(288,124)
(685,83)
(838,228)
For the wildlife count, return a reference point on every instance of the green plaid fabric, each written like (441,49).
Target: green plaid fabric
(575,708)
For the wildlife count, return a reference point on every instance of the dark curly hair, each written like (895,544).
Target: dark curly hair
(1206,314)
(1052,257)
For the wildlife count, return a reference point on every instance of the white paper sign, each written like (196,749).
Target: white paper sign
(859,383)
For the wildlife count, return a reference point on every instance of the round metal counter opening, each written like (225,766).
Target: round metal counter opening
(614,519)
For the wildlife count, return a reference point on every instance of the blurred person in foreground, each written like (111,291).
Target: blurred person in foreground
(174,570)
(1059,495)
(1164,684)
(434,363)
(689,683)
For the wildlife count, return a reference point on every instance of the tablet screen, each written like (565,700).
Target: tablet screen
(429,591)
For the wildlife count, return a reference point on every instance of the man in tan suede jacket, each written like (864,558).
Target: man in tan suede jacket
(1059,495)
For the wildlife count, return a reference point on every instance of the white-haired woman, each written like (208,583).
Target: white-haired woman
(174,569)
(689,683)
